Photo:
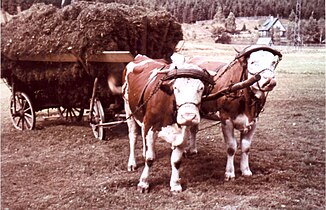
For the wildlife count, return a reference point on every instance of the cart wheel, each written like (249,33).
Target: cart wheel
(22,112)
(97,117)
(71,114)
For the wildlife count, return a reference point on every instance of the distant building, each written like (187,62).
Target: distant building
(270,26)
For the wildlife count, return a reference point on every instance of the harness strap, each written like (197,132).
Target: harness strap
(141,99)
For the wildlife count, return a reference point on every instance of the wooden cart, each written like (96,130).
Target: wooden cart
(23,106)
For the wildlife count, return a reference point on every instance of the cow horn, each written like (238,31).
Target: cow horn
(235,49)
(253,48)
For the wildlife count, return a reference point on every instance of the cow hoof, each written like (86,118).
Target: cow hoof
(190,152)
(143,187)
(132,167)
(246,173)
(229,177)
(176,189)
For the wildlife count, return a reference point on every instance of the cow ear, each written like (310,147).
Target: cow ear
(166,87)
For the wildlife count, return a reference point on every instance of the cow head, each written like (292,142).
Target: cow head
(263,63)
(261,60)
(187,83)
(188,93)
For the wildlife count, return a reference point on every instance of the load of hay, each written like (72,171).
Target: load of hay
(82,29)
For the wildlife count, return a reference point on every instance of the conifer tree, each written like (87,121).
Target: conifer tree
(230,25)
(290,28)
(219,16)
(311,31)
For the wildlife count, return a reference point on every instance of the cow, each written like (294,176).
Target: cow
(164,100)
(238,110)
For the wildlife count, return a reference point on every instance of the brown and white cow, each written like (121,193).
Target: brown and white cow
(163,105)
(239,110)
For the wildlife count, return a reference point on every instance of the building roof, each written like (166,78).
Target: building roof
(269,23)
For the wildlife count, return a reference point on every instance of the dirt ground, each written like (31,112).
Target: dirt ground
(60,165)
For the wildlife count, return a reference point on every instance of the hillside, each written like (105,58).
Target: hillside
(193,10)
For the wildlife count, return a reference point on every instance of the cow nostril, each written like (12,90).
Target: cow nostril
(189,116)
(272,83)
(269,85)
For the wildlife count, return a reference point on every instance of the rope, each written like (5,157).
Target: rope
(210,126)
(226,69)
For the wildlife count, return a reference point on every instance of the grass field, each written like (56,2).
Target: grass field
(304,60)
(60,165)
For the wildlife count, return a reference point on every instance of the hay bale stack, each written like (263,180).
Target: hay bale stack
(89,28)
(83,29)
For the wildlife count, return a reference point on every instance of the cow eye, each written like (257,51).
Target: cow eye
(273,63)
(176,90)
(200,89)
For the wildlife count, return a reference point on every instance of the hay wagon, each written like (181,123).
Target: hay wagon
(26,100)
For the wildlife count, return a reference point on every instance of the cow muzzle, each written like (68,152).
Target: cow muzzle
(268,85)
(188,114)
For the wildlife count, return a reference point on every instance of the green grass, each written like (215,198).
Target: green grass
(307,60)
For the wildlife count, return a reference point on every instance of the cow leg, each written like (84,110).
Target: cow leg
(144,140)
(176,156)
(132,129)
(245,147)
(231,144)
(192,146)
(176,163)
(143,184)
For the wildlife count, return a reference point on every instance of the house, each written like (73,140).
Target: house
(270,26)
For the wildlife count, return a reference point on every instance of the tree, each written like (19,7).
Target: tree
(276,35)
(311,31)
(321,25)
(219,16)
(244,28)
(230,25)
(220,36)
(292,16)
(291,25)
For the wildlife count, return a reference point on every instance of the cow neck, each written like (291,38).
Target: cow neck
(256,104)
(252,106)
(142,101)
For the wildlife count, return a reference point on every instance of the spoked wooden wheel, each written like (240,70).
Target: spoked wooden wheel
(97,117)
(22,112)
(71,114)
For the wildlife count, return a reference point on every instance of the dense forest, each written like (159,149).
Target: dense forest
(187,11)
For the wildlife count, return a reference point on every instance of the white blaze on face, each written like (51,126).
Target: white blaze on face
(188,93)
(263,63)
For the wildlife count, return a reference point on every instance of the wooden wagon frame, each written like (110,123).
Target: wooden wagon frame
(21,106)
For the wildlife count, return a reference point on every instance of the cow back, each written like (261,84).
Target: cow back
(157,107)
